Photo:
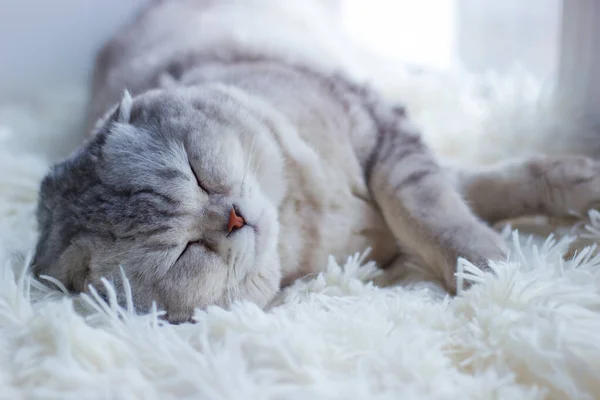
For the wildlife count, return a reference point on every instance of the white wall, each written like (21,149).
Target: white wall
(420,32)
(51,42)
(54,41)
(496,34)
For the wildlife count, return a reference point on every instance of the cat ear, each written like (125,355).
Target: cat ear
(121,114)
(72,267)
(75,265)
(123,111)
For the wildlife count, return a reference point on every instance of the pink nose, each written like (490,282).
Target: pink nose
(235,221)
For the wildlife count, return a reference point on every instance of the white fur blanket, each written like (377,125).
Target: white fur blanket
(531,332)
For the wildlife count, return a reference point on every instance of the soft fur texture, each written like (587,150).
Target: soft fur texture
(529,332)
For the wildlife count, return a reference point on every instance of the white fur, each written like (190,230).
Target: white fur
(530,332)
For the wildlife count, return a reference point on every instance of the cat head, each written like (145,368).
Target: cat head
(178,187)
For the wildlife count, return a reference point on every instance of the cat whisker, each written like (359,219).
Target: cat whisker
(231,267)
(229,286)
(257,166)
(229,261)
(232,287)
(245,254)
(250,157)
(235,285)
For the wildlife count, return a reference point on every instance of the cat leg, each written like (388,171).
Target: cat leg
(557,186)
(424,209)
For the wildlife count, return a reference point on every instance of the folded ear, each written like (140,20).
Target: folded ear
(124,109)
(121,113)
(61,251)
(71,268)
(75,264)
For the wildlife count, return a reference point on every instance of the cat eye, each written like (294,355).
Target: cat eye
(200,243)
(198,181)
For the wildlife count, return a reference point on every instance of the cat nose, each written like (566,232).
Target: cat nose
(235,221)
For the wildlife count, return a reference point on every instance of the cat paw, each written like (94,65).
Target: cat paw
(484,246)
(567,185)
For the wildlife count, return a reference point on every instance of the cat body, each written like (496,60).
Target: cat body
(242,162)
(319,144)
(325,136)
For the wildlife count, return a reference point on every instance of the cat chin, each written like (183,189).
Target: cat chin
(266,283)
(262,282)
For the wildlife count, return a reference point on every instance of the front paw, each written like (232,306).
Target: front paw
(485,245)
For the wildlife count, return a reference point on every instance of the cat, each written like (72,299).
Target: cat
(235,169)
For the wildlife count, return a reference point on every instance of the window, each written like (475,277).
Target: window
(478,35)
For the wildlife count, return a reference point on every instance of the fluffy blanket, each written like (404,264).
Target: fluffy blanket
(530,332)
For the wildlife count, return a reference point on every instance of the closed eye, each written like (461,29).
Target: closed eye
(198,180)
(199,243)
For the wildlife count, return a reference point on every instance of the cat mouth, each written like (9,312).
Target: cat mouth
(258,227)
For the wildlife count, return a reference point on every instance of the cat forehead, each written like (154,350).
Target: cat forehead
(133,151)
(181,104)
(176,125)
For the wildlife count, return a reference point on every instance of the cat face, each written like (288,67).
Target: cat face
(180,188)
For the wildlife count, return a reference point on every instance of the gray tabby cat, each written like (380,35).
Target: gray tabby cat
(233,171)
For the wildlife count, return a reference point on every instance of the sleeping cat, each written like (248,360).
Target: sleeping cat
(235,169)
